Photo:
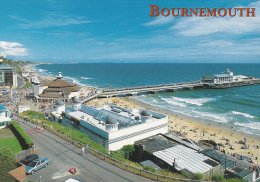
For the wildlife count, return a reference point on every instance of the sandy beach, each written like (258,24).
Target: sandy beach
(196,130)
(191,128)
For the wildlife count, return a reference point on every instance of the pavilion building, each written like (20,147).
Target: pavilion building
(57,89)
(225,77)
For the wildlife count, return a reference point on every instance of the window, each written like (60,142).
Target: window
(2,123)
(2,76)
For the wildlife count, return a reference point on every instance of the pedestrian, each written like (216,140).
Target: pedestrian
(86,148)
(83,150)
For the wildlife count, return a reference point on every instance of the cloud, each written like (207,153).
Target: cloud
(205,26)
(158,21)
(215,43)
(166,49)
(13,49)
(51,20)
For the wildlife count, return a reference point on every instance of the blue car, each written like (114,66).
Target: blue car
(36,165)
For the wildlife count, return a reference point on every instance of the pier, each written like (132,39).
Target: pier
(223,80)
(150,89)
(153,89)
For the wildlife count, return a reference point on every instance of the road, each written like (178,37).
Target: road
(62,155)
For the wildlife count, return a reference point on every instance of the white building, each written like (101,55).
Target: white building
(56,115)
(4,117)
(8,77)
(113,127)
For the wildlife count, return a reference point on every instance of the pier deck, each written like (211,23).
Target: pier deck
(150,89)
(130,91)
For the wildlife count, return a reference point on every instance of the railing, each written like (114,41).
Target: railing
(117,163)
(181,84)
(151,86)
(90,97)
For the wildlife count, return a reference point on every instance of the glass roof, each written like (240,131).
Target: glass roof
(110,117)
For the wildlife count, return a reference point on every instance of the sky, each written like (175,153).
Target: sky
(122,31)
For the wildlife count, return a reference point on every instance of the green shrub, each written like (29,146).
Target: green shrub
(218,178)
(24,139)
(27,85)
(197,176)
(149,168)
(186,174)
(124,155)
(166,172)
(127,151)
(7,163)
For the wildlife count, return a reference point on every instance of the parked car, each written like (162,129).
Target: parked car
(29,158)
(73,180)
(36,165)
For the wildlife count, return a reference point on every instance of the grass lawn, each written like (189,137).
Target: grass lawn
(9,141)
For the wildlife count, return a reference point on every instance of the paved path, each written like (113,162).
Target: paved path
(62,155)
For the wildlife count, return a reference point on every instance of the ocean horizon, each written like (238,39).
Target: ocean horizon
(237,107)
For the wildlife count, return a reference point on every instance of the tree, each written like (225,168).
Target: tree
(7,163)
(128,151)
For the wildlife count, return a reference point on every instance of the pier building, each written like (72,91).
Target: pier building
(227,76)
(113,126)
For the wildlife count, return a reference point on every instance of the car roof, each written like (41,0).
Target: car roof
(36,160)
(30,155)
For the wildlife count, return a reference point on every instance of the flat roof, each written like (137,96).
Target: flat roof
(240,172)
(121,116)
(156,143)
(2,107)
(5,66)
(183,141)
(220,157)
(4,119)
(185,159)
(222,75)
(150,164)
(81,116)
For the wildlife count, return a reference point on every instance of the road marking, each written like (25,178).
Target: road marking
(61,175)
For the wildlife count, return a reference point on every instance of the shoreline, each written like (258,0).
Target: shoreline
(224,126)
(192,128)
(195,129)
(84,87)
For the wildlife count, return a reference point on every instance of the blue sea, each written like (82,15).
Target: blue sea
(237,107)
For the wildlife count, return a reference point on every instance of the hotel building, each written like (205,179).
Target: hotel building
(8,76)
